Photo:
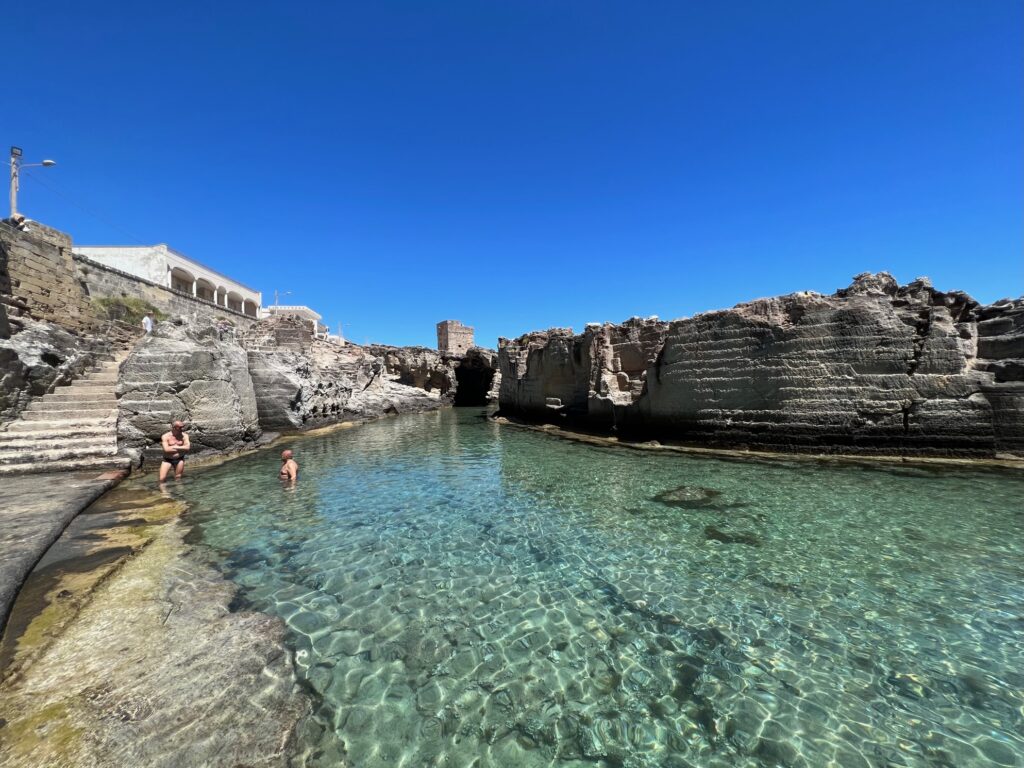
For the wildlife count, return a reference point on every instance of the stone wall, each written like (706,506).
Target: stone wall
(875,368)
(101,281)
(37,270)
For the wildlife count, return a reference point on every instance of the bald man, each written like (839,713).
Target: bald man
(289,469)
(175,445)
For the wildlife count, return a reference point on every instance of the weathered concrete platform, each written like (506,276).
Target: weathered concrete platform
(35,511)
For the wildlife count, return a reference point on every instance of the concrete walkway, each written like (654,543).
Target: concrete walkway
(35,511)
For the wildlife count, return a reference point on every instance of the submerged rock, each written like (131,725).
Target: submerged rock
(156,671)
(688,496)
(731,537)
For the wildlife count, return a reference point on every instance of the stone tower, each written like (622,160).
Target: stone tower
(453,337)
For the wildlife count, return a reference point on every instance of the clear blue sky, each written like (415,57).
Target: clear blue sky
(520,165)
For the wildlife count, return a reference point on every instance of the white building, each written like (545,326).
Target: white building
(301,312)
(167,267)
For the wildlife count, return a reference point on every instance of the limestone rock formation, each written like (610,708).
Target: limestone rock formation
(874,368)
(477,378)
(469,378)
(420,367)
(39,356)
(189,373)
(301,382)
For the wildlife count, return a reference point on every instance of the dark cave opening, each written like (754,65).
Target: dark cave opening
(473,382)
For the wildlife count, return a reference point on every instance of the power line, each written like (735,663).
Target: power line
(81,207)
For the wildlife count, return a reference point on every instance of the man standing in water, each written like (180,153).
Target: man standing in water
(175,445)
(289,469)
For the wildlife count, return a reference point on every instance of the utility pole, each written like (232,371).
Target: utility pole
(16,167)
(15,154)
(283,293)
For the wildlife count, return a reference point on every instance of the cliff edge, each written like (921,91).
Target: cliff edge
(874,368)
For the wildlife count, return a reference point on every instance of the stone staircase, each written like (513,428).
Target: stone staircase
(72,428)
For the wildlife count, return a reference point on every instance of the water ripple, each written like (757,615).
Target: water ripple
(464,594)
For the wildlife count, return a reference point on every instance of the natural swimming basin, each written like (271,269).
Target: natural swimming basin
(462,593)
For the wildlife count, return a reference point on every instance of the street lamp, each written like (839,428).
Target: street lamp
(17,165)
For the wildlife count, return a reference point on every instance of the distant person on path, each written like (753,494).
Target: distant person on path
(289,469)
(175,445)
(147,322)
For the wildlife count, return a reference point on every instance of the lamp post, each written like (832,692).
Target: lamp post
(282,293)
(16,166)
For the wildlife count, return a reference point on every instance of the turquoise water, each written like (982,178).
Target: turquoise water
(463,593)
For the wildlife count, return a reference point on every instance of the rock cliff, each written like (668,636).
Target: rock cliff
(463,379)
(39,356)
(874,368)
(188,373)
(420,367)
(302,382)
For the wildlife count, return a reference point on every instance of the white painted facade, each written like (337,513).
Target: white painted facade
(167,267)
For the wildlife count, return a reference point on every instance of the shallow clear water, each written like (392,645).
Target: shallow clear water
(461,593)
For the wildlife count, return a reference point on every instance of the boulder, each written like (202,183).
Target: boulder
(188,372)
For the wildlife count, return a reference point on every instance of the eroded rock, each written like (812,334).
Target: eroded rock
(156,670)
(188,372)
(39,356)
(301,382)
(876,368)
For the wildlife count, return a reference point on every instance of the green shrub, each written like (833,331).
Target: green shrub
(128,309)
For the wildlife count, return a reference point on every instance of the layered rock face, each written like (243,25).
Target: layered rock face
(874,368)
(39,356)
(469,378)
(49,331)
(301,382)
(188,373)
(419,367)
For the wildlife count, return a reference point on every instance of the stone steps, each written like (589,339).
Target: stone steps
(61,425)
(66,465)
(71,396)
(52,452)
(45,437)
(74,427)
(70,411)
(99,378)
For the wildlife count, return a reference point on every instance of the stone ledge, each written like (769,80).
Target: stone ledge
(37,509)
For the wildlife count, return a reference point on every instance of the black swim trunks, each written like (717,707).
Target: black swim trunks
(174,462)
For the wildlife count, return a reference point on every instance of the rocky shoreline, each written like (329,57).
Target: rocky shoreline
(129,639)
(876,368)
(879,460)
